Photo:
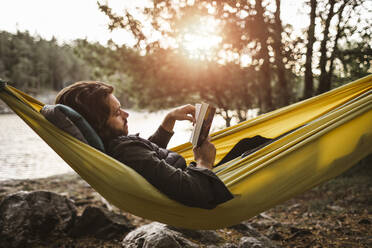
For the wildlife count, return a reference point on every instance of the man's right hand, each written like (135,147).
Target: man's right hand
(205,155)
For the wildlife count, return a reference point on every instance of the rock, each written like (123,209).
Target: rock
(248,230)
(101,224)
(28,217)
(263,220)
(229,245)
(252,238)
(335,208)
(204,236)
(273,234)
(212,246)
(156,235)
(250,242)
(290,208)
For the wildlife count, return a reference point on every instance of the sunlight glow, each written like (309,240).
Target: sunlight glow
(200,39)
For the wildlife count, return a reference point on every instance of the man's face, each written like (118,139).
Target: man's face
(117,121)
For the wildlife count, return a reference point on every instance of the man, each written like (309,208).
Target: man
(194,185)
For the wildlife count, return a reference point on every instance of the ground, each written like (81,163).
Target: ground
(337,213)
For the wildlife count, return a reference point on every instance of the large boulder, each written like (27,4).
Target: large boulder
(156,235)
(159,235)
(101,223)
(28,217)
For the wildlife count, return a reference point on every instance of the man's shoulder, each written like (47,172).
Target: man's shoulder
(127,140)
(130,144)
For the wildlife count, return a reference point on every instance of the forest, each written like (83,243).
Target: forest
(249,58)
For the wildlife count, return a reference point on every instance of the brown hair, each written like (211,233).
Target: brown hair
(90,99)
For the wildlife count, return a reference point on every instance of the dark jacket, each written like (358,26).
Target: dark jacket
(167,170)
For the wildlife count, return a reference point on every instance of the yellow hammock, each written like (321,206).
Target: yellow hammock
(335,132)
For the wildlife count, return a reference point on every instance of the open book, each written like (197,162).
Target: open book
(204,114)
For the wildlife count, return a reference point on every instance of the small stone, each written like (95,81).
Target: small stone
(335,208)
(294,206)
(250,242)
(275,236)
(254,239)
(229,245)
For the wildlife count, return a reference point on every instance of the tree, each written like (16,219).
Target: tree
(246,30)
(323,84)
(309,79)
(341,12)
(32,63)
(285,93)
(262,35)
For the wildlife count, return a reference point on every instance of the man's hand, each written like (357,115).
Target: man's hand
(205,155)
(186,112)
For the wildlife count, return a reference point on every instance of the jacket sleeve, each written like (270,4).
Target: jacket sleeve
(161,137)
(194,187)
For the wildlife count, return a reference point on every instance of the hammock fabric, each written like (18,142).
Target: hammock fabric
(331,133)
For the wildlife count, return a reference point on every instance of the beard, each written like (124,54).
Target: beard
(109,133)
(115,132)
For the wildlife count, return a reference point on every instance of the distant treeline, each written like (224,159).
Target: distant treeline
(33,63)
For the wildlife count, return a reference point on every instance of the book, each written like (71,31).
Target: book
(204,114)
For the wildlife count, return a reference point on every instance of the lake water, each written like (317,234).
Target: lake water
(24,155)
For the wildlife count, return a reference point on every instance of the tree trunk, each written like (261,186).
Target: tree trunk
(278,47)
(324,83)
(242,115)
(335,49)
(309,78)
(266,103)
(225,115)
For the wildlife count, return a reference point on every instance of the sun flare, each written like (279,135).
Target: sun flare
(200,39)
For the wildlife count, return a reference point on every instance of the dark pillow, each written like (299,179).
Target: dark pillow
(73,123)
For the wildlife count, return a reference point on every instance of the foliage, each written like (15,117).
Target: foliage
(253,29)
(32,63)
(344,43)
(219,75)
(109,64)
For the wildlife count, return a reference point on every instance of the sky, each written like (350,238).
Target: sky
(68,20)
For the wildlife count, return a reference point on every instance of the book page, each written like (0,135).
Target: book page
(204,114)
(206,125)
(197,120)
